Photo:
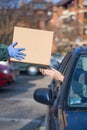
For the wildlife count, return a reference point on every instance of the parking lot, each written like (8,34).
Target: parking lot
(18,110)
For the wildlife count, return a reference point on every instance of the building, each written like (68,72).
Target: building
(70,22)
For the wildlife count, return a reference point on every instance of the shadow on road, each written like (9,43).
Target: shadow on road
(34,124)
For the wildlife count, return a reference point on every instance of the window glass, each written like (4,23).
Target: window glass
(85,2)
(65,62)
(39,6)
(85,31)
(78,88)
(85,15)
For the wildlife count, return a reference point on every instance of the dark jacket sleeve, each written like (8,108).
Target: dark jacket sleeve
(3,53)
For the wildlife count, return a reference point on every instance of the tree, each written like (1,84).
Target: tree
(10,15)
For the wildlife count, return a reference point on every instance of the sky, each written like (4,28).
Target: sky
(54,1)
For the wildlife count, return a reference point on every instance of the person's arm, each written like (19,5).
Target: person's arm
(4,54)
(10,51)
(53,74)
(16,53)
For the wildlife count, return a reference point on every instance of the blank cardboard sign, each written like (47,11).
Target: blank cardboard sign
(37,44)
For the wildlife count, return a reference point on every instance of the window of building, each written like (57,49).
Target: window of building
(85,2)
(85,15)
(39,6)
(85,31)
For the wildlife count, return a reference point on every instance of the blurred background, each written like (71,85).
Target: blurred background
(68,21)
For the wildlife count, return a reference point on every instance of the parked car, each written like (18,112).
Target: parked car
(54,63)
(67,101)
(58,56)
(6,75)
(32,69)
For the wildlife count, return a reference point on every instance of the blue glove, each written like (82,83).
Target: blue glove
(16,52)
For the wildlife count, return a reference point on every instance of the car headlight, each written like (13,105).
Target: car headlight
(5,71)
(32,70)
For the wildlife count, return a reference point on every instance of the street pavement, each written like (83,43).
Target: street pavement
(18,110)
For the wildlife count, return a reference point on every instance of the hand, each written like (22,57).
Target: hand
(52,73)
(16,52)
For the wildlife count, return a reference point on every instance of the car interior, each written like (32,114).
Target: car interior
(78,87)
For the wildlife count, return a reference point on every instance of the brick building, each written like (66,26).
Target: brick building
(70,22)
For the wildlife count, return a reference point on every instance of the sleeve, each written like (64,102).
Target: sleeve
(3,53)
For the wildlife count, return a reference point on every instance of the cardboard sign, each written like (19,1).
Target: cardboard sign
(37,44)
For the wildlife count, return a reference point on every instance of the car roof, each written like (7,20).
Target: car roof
(79,50)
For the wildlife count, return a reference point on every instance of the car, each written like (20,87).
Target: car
(67,100)
(32,69)
(28,68)
(58,56)
(54,63)
(6,75)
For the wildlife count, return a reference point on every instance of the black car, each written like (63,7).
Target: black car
(67,100)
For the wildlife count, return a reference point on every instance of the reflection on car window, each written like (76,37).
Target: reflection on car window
(78,88)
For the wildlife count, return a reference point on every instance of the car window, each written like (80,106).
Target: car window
(65,61)
(77,96)
(62,68)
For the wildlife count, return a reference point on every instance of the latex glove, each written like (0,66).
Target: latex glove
(16,52)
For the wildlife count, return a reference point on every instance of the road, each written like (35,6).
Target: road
(18,110)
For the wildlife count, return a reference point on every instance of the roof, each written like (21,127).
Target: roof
(80,50)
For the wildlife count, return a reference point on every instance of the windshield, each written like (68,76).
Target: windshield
(77,96)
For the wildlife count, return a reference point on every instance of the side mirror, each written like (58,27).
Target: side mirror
(44,96)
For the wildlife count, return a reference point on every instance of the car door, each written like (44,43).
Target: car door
(74,108)
(52,114)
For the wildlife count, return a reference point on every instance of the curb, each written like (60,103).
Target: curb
(42,128)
